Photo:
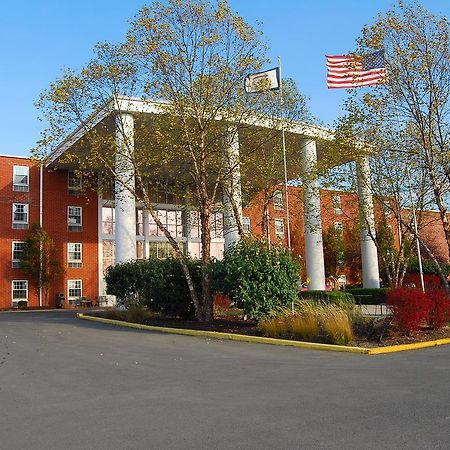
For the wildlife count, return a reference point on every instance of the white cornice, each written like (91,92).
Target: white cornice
(124,104)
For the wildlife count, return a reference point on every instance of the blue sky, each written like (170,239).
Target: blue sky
(39,38)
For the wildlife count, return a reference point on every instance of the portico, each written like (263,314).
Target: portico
(306,150)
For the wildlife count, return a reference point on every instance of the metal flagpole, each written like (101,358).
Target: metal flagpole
(283,135)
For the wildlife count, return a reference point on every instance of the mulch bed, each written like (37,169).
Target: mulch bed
(377,332)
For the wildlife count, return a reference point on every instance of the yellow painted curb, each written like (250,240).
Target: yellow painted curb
(271,341)
(228,336)
(406,347)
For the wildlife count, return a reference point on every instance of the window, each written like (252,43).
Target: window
(139,222)
(20,216)
(194,224)
(337,204)
(74,255)
(17,252)
(278,200)
(108,219)
(338,227)
(74,183)
(19,291)
(171,219)
(279,227)
(74,218)
(162,250)
(216,225)
(246,224)
(21,178)
(75,290)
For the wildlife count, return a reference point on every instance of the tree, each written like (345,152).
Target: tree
(404,123)
(192,57)
(334,250)
(40,261)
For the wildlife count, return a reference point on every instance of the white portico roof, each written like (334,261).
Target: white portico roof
(138,105)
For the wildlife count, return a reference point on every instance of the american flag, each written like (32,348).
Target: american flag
(349,71)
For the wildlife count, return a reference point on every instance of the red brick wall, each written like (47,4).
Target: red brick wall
(55,202)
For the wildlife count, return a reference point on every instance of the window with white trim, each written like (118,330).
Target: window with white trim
(74,255)
(216,221)
(339,227)
(337,204)
(172,221)
(17,253)
(246,224)
(108,219)
(19,291)
(20,216)
(74,183)
(74,218)
(74,290)
(21,178)
(278,200)
(279,227)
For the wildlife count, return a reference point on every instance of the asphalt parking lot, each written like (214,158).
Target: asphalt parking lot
(72,384)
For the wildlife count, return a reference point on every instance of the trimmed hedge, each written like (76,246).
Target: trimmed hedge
(338,298)
(369,296)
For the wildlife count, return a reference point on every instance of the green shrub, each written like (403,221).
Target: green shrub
(428,267)
(257,278)
(369,296)
(158,284)
(340,298)
(22,304)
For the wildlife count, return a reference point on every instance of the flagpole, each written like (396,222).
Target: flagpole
(283,137)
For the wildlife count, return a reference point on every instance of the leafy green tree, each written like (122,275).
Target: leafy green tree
(404,123)
(192,57)
(334,251)
(40,260)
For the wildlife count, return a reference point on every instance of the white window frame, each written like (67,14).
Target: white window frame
(71,262)
(246,224)
(72,299)
(20,224)
(278,200)
(16,300)
(74,188)
(74,226)
(337,204)
(15,262)
(20,186)
(277,222)
(338,226)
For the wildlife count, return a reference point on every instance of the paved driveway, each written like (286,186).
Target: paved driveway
(72,384)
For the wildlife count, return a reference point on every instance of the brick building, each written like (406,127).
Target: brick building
(82,225)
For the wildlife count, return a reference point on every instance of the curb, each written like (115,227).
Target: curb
(406,347)
(270,341)
(228,336)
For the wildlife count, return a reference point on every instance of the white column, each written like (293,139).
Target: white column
(315,268)
(232,188)
(125,234)
(369,254)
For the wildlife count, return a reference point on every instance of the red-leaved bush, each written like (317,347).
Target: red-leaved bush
(410,308)
(440,312)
